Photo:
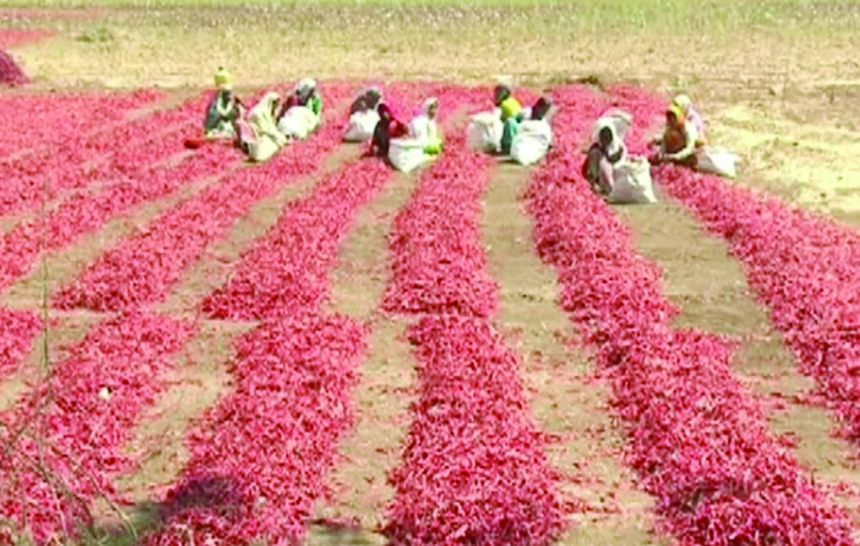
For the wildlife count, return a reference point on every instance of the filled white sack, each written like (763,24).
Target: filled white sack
(485,132)
(407,154)
(298,122)
(717,161)
(361,126)
(532,142)
(632,182)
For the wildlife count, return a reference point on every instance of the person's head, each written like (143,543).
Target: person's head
(674,117)
(500,94)
(605,137)
(541,108)
(683,102)
(223,80)
(431,107)
(384,112)
(372,97)
(305,88)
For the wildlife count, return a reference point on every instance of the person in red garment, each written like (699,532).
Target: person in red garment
(387,128)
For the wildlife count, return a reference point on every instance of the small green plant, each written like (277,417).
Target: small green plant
(97,34)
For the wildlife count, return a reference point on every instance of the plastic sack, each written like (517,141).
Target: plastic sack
(298,122)
(632,182)
(485,132)
(407,154)
(263,149)
(717,161)
(361,126)
(532,142)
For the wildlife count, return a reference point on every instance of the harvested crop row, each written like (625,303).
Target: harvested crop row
(697,439)
(74,426)
(82,160)
(286,273)
(84,213)
(18,329)
(42,121)
(142,269)
(474,470)
(438,263)
(259,459)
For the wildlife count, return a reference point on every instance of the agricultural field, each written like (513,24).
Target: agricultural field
(195,350)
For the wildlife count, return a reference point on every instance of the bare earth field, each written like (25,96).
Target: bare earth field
(779,82)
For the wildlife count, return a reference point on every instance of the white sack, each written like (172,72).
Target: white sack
(717,161)
(361,126)
(485,132)
(298,122)
(407,154)
(532,142)
(632,182)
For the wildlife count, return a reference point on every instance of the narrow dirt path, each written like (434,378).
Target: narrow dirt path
(360,482)
(710,287)
(567,399)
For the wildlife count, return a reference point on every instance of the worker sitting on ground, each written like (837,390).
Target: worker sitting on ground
(224,109)
(302,111)
(679,140)
(606,152)
(387,128)
(425,130)
(266,140)
(693,117)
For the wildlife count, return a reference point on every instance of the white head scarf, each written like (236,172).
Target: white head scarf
(616,145)
(429,103)
(306,85)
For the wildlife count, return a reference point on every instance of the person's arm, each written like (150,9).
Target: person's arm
(316,105)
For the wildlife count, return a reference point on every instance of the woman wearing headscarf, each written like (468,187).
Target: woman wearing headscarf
(224,109)
(693,117)
(679,141)
(387,127)
(605,154)
(267,139)
(302,111)
(425,130)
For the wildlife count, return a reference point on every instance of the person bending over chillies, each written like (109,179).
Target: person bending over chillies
(606,152)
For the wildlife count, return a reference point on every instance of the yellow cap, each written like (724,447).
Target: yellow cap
(223,79)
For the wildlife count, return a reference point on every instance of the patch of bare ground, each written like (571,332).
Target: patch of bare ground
(568,401)
(359,483)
